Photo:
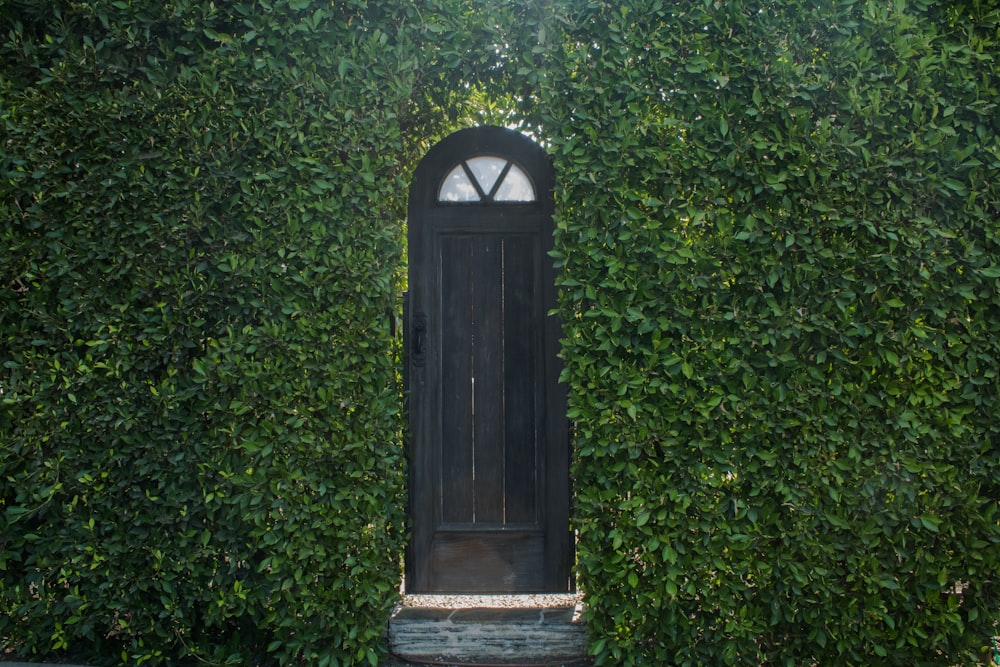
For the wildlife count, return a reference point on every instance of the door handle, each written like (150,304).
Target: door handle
(419,349)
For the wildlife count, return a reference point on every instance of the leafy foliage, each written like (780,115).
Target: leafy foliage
(199,422)
(779,240)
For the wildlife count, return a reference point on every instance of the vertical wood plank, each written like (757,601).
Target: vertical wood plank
(456,439)
(487,264)
(522,367)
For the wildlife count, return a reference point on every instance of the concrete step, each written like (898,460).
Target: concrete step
(526,637)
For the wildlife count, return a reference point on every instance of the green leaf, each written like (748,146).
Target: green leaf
(992,271)
(931,523)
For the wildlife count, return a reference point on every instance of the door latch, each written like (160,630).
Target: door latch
(418,353)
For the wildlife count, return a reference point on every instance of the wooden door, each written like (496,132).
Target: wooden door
(488,436)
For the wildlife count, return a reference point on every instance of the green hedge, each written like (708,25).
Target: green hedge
(199,254)
(778,228)
(777,225)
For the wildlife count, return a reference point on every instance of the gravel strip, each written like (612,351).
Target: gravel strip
(540,601)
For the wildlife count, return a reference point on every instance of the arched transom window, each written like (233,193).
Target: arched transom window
(486,178)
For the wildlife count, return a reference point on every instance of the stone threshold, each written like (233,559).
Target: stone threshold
(490,636)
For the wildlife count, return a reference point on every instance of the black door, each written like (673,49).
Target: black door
(489,452)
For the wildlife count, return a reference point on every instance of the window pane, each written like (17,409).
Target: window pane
(515,187)
(457,187)
(486,170)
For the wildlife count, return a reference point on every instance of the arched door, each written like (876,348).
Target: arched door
(488,444)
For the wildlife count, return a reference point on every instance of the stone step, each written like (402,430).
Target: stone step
(526,637)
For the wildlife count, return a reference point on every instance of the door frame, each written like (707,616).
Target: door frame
(424,214)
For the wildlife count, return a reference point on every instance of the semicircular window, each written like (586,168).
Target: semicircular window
(486,178)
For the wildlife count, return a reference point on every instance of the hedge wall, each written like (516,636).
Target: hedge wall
(778,228)
(777,224)
(200,247)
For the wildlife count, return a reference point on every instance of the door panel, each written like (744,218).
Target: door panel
(477,562)
(488,437)
(490,358)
